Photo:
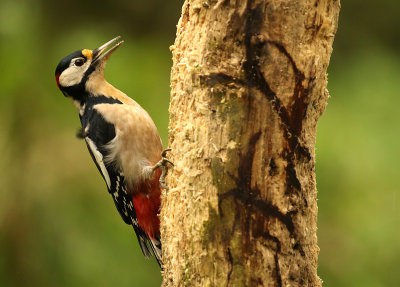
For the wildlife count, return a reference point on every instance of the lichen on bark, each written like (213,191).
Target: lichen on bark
(248,84)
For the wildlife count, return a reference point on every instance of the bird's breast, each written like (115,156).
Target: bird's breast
(137,143)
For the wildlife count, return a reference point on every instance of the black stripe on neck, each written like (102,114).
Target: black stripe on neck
(94,100)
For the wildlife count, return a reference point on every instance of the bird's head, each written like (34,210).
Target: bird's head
(76,70)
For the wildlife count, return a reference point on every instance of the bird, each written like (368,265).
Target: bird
(122,140)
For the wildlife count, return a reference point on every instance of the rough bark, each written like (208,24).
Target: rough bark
(248,86)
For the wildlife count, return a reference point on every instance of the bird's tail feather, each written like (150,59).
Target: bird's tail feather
(142,241)
(155,245)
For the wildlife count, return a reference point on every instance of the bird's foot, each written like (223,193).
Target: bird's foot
(163,164)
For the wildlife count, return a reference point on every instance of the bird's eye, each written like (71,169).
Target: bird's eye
(79,62)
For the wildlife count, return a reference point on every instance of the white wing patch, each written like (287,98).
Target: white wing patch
(99,159)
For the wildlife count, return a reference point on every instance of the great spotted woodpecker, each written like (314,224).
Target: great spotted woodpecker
(122,139)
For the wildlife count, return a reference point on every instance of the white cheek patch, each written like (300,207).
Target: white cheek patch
(73,75)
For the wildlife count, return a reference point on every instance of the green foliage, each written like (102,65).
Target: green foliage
(58,225)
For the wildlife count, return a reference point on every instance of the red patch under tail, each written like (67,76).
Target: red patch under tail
(146,201)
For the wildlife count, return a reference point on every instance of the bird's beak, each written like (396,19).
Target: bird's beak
(104,51)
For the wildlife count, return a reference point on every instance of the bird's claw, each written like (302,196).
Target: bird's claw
(164,153)
(163,164)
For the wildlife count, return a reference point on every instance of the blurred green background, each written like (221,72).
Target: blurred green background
(58,226)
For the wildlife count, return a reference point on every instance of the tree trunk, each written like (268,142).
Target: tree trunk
(248,86)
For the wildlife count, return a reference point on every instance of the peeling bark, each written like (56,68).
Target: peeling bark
(248,86)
